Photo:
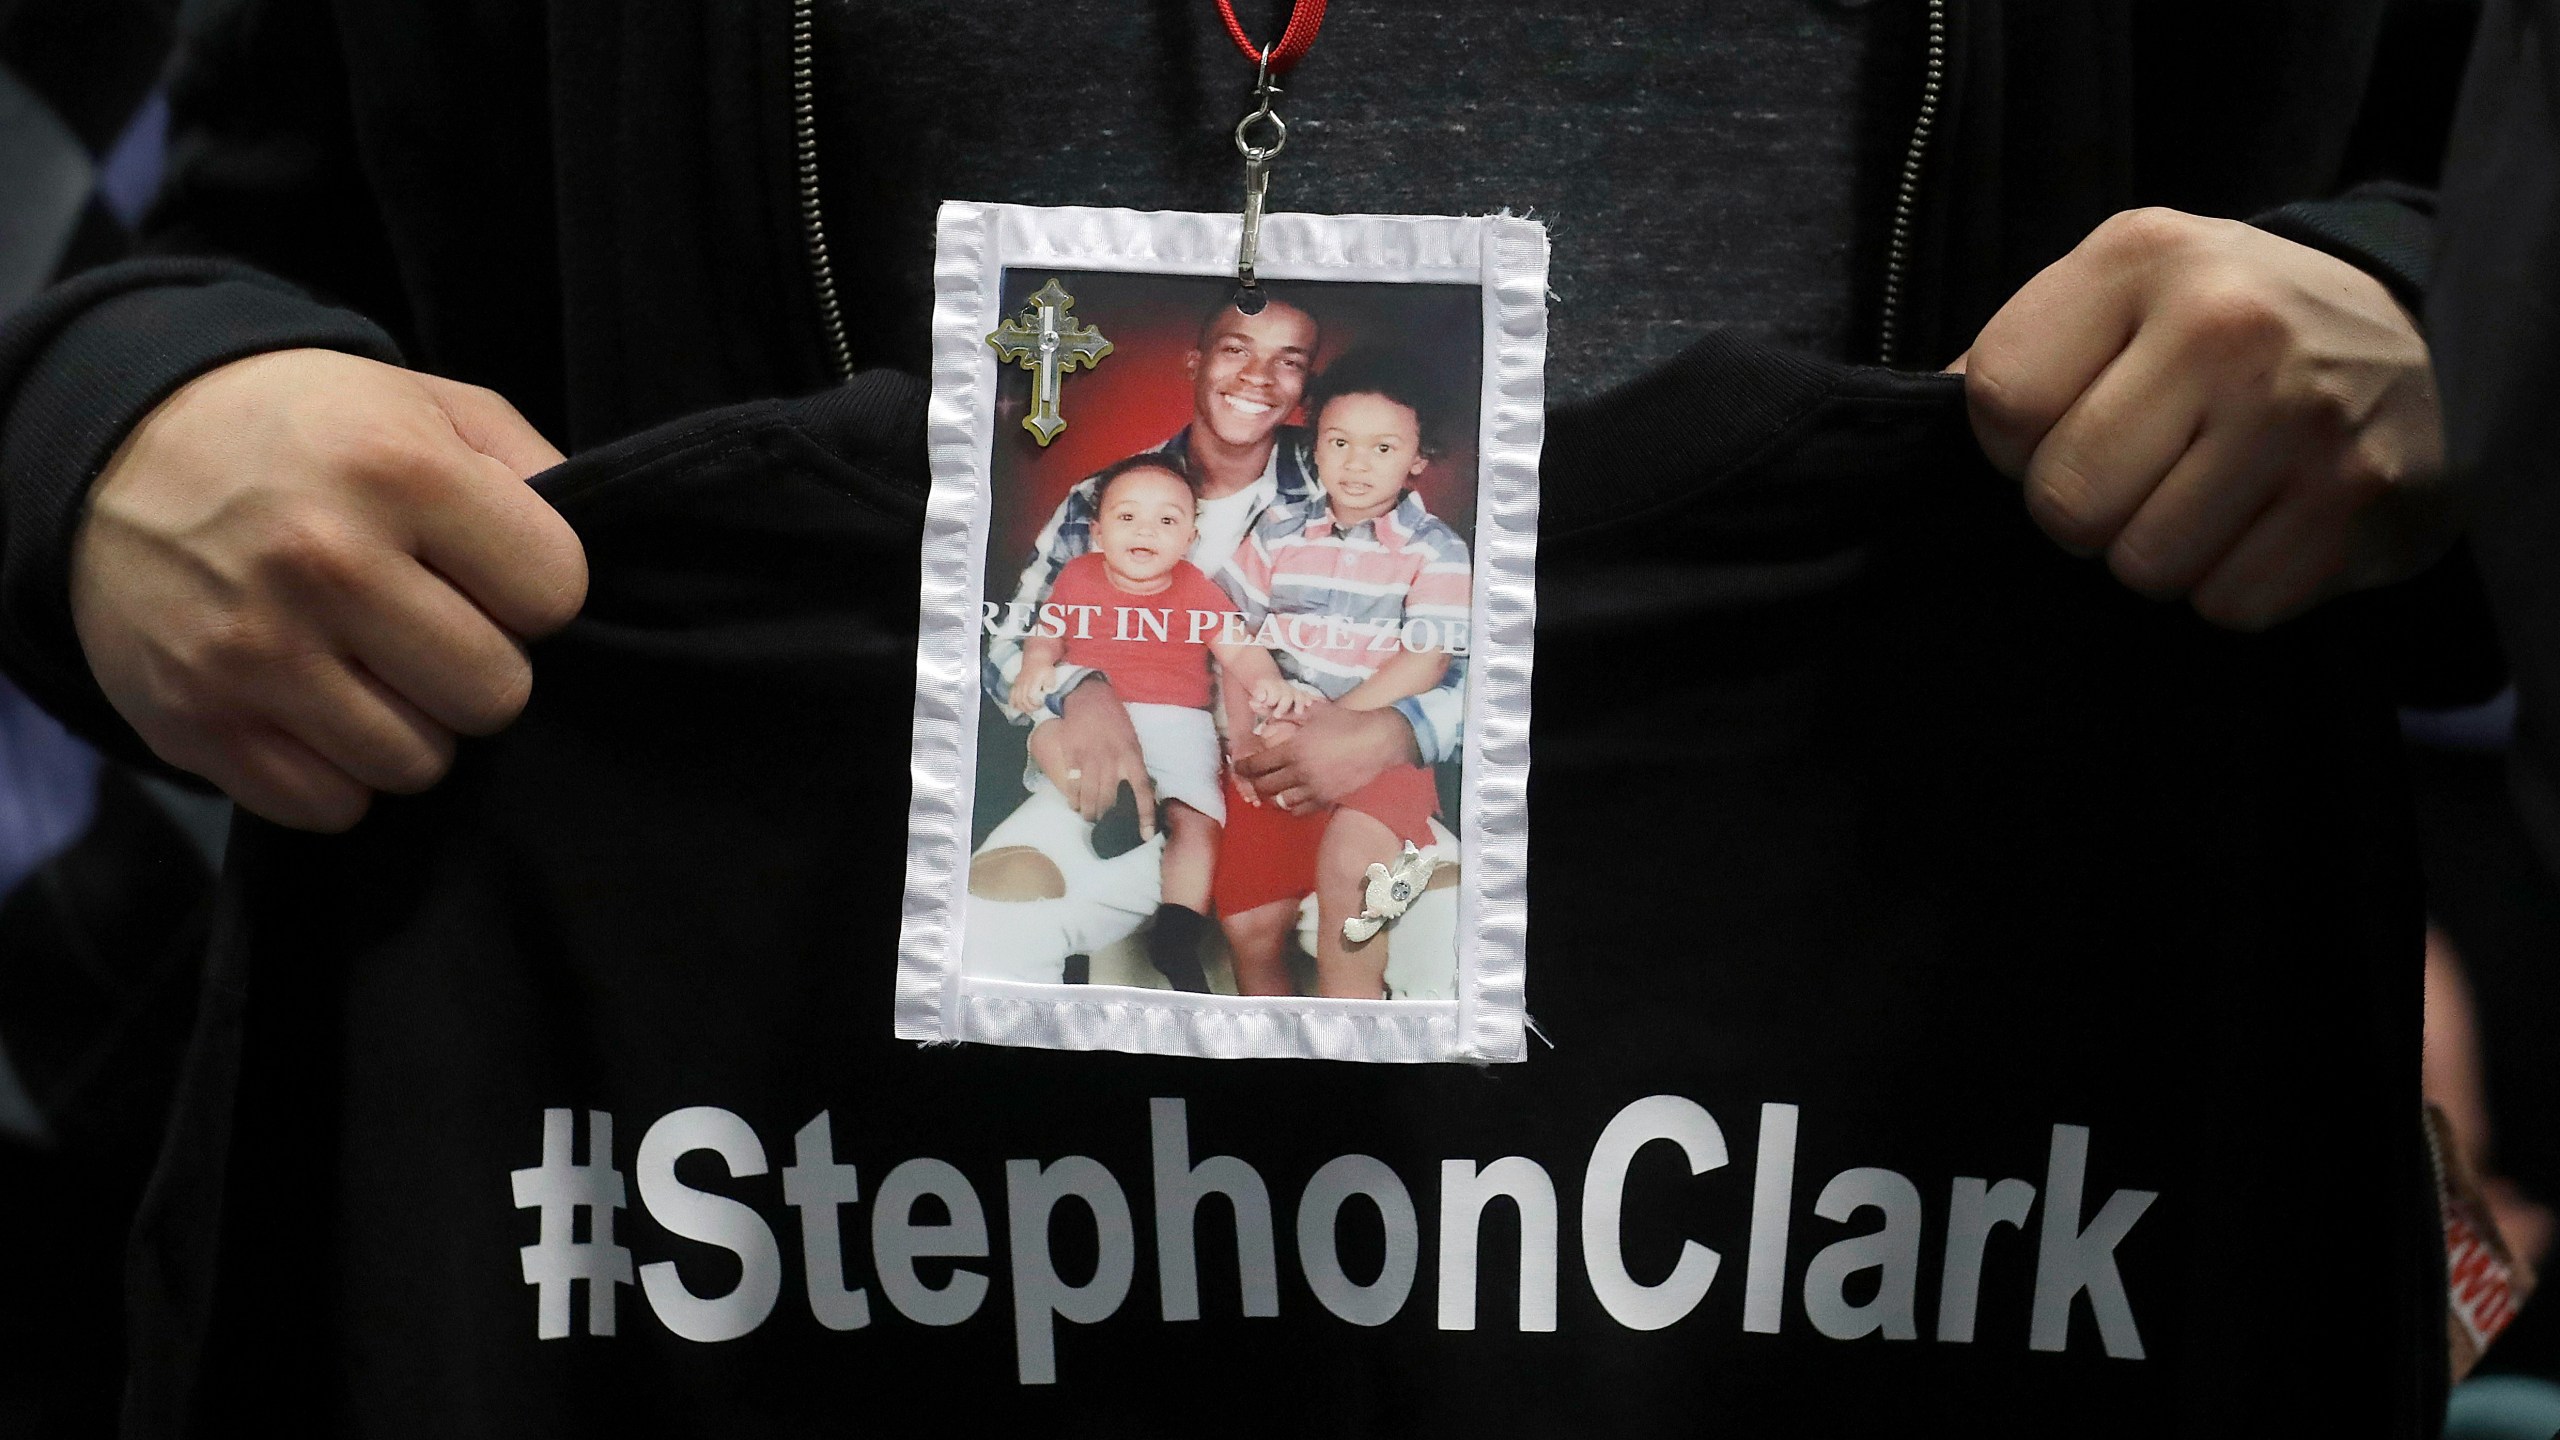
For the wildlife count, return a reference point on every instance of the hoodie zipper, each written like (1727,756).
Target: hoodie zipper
(822,277)
(813,215)
(1906,196)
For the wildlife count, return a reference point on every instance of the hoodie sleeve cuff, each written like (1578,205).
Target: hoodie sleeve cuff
(79,369)
(2386,230)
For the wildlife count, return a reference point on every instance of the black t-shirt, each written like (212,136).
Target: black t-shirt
(1976,995)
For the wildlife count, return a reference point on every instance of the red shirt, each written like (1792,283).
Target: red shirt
(1154,648)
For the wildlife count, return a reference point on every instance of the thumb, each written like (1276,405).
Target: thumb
(1958,364)
(487,423)
(1145,792)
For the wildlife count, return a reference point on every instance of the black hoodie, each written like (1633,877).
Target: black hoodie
(601,214)
(2002,876)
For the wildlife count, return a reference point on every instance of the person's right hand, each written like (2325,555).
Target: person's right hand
(1031,686)
(303,574)
(1099,748)
(1332,752)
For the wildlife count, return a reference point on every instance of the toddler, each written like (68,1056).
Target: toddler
(1145,617)
(1339,573)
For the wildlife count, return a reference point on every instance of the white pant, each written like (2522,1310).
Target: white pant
(1106,900)
(1180,747)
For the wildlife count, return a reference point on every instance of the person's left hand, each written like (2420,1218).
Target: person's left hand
(2225,415)
(1334,752)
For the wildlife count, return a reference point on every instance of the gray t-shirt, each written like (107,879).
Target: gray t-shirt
(1699,164)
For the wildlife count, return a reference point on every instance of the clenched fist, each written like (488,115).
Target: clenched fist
(304,574)
(2224,414)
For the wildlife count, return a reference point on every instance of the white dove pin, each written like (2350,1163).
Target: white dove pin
(1390,892)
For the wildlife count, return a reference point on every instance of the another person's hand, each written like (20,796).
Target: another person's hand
(1334,752)
(304,573)
(1099,750)
(2226,415)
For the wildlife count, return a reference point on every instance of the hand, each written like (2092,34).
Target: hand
(1334,752)
(1099,749)
(1264,733)
(2225,415)
(303,574)
(1031,686)
(1236,754)
(1277,699)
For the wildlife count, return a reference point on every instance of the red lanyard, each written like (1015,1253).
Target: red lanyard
(1305,18)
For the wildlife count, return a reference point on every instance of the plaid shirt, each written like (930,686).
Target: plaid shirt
(1404,568)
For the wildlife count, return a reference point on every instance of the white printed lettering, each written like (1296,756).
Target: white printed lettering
(1894,1249)
(1032,1191)
(1464,1192)
(1974,1210)
(1630,1302)
(2068,1263)
(927,1211)
(556,1190)
(1320,1256)
(732,1225)
(898,1242)
(1298,633)
(815,1185)
(1179,1188)
(1773,1196)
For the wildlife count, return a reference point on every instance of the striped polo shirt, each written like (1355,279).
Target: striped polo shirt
(1346,598)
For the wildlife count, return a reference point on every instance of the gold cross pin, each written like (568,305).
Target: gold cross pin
(1048,342)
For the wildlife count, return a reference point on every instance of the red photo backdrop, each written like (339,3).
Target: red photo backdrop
(1140,394)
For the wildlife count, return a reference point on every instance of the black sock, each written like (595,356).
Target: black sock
(1174,946)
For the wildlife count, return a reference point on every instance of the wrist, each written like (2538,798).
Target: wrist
(1393,735)
(1082,692)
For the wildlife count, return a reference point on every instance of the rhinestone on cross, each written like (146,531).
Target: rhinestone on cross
(1045,340)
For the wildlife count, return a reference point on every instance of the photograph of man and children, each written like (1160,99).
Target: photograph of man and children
(1225,644)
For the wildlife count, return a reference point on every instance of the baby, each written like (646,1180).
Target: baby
(1358,586)
(1134,609)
